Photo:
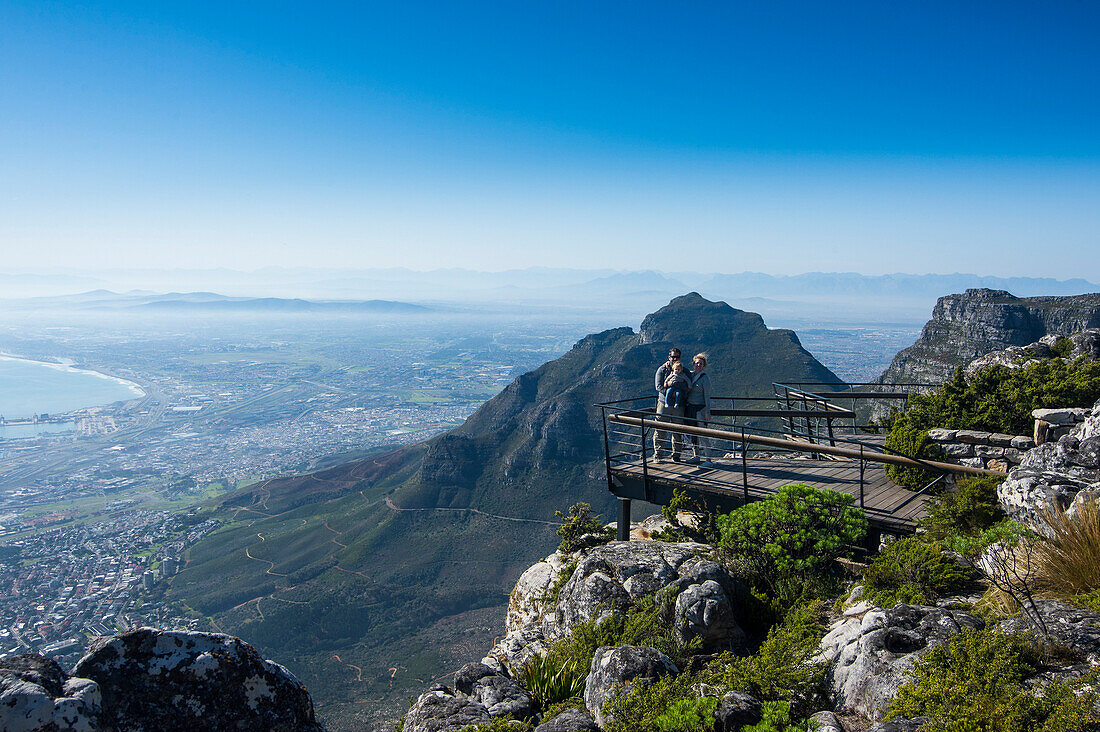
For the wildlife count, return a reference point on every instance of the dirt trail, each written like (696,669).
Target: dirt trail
(390,504)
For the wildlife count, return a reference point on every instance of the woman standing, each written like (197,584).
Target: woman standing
(697,408)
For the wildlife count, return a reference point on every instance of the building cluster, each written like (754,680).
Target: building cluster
(61,588)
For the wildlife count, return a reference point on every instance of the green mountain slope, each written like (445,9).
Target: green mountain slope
(370,578)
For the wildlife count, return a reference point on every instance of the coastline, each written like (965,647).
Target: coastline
(135,389)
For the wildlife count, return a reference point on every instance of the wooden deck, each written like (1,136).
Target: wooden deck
(888,507)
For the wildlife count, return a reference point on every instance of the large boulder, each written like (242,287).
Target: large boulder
(166,680)
(737,710)
(571,720)
(36,695)
(501,696)
(615,667)
(438,711)
(871,655)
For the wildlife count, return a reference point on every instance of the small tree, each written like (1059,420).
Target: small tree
(580,529)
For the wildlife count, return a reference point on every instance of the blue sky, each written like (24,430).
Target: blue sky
(781,137)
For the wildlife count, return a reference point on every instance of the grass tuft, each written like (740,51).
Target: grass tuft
(1069,557)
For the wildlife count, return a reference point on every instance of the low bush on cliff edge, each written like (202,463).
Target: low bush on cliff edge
(782,673)
(975,682)
(910,570)
(787,544)
(968,510)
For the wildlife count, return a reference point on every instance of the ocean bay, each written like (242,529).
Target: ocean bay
(29,387)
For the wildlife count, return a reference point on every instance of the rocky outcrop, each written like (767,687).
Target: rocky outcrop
(571,720)
(614,668)
(964,327)
(1055,472)
(700,598)
(1084,345)
(150,679)
(438,711)
(36,695)
(870,654)
(1069,627)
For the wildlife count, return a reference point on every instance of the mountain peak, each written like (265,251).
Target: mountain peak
(692,319)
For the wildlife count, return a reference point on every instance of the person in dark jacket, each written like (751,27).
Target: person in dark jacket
(666,413)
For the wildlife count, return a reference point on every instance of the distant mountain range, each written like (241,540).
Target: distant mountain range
(375,562)
(909,295)
(212,302)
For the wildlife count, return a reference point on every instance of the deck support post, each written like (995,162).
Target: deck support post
(623,533)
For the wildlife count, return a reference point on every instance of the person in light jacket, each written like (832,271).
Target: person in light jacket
(697,409)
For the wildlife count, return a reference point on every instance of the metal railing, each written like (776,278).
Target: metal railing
(817,402)
(634,435)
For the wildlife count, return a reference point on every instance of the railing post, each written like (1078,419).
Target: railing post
(607,451)
(645,463)
(744,466)
(862,465)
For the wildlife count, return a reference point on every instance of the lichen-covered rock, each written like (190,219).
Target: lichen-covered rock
(468,675)
(1070,627)
(529,599)
(611,578)
(871,656)
(166,680)
(827,722)
(571,720)
(437,711)
(1054,472)
(737,710)
(500,696)
(37,696)
(615,667)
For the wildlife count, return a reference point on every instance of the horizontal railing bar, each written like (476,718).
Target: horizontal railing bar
(808,447)
(834,413)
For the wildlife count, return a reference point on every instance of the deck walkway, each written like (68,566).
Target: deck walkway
(888,507)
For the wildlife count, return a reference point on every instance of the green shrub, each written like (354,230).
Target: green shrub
(580,522)
(667,705)
(549,682)
(912,571)
(976,679)
(968,510)
(794,535)
(500,724)
(689,715)
(783,668)
(912,441)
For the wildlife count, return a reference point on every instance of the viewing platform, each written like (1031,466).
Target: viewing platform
(752,446)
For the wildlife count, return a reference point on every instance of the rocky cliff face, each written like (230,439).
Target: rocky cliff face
(964,327)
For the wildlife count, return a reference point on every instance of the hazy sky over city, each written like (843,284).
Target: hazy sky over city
(773,136)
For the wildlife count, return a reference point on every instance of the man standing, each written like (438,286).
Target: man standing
(666,413)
